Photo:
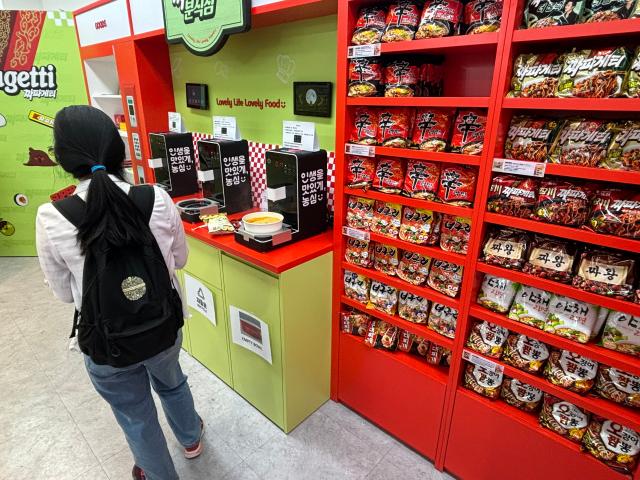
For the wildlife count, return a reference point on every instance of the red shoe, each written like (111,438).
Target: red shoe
(137,473)
(195,450)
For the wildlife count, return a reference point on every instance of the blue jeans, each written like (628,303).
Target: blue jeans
(127,391)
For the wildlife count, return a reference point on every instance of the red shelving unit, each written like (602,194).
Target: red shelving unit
(462,432)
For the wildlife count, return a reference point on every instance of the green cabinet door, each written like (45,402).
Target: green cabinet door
(256,292)
(209,344)
(186,342)
(204,262)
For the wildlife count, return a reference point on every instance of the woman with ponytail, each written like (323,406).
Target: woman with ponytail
(88,146)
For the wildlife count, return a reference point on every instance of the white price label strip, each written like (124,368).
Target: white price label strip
(483,362)
(355,233)
(360,150)
(359,51)
(519,167)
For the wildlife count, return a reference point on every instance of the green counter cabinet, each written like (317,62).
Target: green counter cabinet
(296,306)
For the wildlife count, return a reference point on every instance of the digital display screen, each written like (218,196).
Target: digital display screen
(197,96)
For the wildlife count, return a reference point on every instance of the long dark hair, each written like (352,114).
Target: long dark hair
(83,138)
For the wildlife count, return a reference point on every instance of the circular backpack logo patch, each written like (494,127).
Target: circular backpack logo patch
(133,288)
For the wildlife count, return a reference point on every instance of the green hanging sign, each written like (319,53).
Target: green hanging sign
(204,25)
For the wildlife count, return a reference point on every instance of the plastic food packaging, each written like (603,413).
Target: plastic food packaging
(525,353)
(521,395)
(421,179)
(382,335)
(618,386)
(438,355)
(360,172)
(360,212)
(359,252)
(481,16)
(583,142)
(530,139)
(420,226)
(455,234)
(365,77)
(386,219)
(413,308)
(573,319)
(531,307)
(497,293)
(432,78)
(356,286)
(616,212)
(513,195)
(402,78)
(535,75)
(413,268)
(594,73)
(389,175)
(564,203)
(550,258)
(468,132)
(552,12)
(506,248)
(443,319)
(369,26)
(613,444)
(606,273)
(564,418)
(431,129)
(445,277)
(621,333)
(411,343)
(457,185)
(383,297)
(483,380)
(440,18)
(355,323)
(402,21)
(488,339)
(632,86)
(218,224)
(624,151)
(571,371)
(604,11)
(365,126)
(394,127)
(386,259)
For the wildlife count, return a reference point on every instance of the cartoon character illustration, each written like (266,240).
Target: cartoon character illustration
(39,158)
(6,228)
(21,200)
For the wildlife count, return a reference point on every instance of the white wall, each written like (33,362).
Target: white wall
(68,5)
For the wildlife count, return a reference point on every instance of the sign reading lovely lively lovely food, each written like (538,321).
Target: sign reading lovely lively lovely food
(40,73)
(203,26)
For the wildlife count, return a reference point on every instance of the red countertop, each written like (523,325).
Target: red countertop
(276,261)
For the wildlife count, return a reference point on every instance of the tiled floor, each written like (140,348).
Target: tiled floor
(54,426)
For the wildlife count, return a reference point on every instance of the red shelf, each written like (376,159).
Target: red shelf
(429,156)
(600,406)
(412,202)
(578,104)
(415,328)
(570,233)
(579,31)
(453,102)
(590,350)
(560,288)
(600,174)
(424,291)
(436,45)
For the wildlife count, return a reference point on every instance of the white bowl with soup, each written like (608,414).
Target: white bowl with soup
(262,223)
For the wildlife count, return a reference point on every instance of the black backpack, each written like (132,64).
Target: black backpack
(130,308)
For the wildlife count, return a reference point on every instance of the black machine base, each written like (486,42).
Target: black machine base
(266,243)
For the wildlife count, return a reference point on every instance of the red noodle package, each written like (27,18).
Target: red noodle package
(468,132)
(411,343)
(394,127)
(421,179)
(360,172)
(616,212)
(420,226)
(431,129)
(457,185)
(513,195)
(386,259)
(389,175)
(414,268)
(355,323)
(386,219)
(365,126)
(445,277)
(402,21)
(440,18)
(432,78)
(359,252)
(563,202)
(482,16)
(455,234)
(360,212)
(365,77)
(402,78)
(382,335)
(369,26)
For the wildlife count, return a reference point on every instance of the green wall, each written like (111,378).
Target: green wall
(57,46)
(258,65)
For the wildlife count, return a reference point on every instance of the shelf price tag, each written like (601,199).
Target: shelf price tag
(360,150)
(359,51)
(519,167)
(471,357)
(355,233)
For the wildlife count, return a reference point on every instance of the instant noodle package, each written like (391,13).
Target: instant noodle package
(413,308)
(513,195)
(457,185)
(468,132)
(402,21)
(366,77)
(563,418)
(421,179)
(552,13)
(573,319)
(445,277)
(402,78)
(389,175)
(383,297)
(356,286)
(551,258)
(497,293)
(369,26)
(530,306)
(621,333)
(481,16)
(488,339)
(382,335)
(613,444)
(520,395)
(355,323)
(443,319)
(455,234)
(385,259)
(359,252)
(386,219)
(571,371)
(413,268)
(606,273)
(431,129)
(506,248)
(360,212)
(618,386)
(360,171)
(420,226)
(483,380)
(525,353)
(440,18)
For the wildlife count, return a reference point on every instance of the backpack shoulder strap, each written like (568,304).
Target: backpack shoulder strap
(72,208)
(143,196)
